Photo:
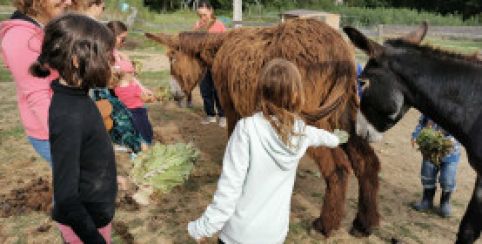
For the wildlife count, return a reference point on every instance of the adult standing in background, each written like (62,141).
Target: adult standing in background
(20,42)
(208,23)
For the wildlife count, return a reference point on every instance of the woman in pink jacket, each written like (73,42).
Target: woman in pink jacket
(20,42)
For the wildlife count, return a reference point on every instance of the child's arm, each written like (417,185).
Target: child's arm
(144,90)
(319,137)
(66,142)
(230,184)
(421,124)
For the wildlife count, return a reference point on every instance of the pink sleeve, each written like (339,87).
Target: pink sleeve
(218,27)
(21,48)
(143,88)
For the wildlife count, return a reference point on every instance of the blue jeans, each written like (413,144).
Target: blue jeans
(210,97)
(42,147)
(448,172)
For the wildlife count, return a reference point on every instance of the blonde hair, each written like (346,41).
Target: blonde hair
(30,7)
(281,96)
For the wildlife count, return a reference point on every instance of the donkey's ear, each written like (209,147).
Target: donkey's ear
(164,39)
(370,47)
(416,36)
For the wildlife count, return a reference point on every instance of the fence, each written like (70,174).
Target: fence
(450,32)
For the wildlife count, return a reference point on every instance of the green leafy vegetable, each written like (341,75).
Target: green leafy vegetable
(164,166)
(433,145)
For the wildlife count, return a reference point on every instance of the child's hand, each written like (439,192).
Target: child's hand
(342,135)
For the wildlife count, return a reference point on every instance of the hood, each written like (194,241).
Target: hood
(285,157)
(18,19)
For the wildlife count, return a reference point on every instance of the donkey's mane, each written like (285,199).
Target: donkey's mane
(193,42)
(437,52)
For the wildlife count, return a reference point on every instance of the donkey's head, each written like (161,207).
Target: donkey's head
(385,99)
(190,55)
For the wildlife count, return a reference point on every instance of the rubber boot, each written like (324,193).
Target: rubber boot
(427,200)
(445,206)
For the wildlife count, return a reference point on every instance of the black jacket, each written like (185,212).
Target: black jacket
(84,169)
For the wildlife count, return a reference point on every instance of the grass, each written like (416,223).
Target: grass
(467,47)
(462,46)
(155,78)
(4,73)
(142,43)
(15,132)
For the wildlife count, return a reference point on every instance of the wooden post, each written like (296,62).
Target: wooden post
(237,13)
(380,32)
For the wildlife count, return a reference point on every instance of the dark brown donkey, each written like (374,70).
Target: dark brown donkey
(326,64)
(446,87)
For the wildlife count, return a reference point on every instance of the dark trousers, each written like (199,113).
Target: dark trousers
(210,98)
(142,124)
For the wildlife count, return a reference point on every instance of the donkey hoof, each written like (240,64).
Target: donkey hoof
(318,229)
(360,232)
(315,234)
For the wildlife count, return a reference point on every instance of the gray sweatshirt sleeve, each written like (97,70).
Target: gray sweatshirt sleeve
(230,185)
(319,137)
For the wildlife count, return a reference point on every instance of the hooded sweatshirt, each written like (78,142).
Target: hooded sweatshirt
(252,200)
(20,45)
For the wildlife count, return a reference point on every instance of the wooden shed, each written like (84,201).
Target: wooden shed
(331,19)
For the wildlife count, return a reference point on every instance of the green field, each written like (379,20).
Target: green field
(4,73)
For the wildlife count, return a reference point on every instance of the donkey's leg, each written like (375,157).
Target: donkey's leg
(471,224)
(232,117)
(335,169)
(366,167)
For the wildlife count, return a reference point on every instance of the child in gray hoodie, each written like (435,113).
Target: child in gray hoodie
(252,200)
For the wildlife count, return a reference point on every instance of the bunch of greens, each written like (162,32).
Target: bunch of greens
(164,166)
(433,145)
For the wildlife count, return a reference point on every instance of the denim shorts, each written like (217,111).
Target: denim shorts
(42,147)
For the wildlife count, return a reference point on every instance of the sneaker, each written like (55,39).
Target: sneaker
(222,122)
(208,120)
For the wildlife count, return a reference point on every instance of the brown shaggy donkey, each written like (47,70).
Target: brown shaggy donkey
(326,64)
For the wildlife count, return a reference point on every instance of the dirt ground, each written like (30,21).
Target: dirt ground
(165,221)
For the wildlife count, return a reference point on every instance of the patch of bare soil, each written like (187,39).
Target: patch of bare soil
(123,231)
(34,196)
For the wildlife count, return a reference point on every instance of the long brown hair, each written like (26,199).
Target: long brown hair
(79,37)
(280,96)
(117,27)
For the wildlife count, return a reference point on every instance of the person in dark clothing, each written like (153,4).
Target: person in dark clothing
(84,168)
(208,23)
